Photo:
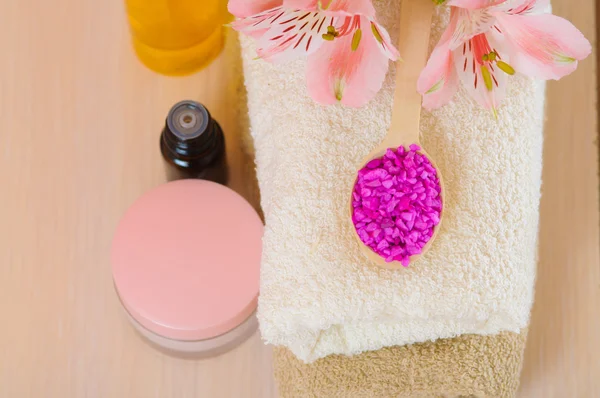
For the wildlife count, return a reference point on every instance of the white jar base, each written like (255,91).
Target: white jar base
(199,349)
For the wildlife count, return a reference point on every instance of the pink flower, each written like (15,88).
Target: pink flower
(487,41)
(347,50)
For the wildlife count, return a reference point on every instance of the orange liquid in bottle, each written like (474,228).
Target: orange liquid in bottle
(177,37)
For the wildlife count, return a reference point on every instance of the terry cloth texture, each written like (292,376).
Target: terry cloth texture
(319,295)
(465,366)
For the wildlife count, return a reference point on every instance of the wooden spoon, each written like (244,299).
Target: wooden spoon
(415,27)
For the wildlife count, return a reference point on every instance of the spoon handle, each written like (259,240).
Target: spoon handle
(415,27)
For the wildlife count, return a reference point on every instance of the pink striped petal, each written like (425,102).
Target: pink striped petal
(469,23)
(543,46)
(294,34)
(473,4)
(248,8)
(469,65)
(257,25)
(337,72)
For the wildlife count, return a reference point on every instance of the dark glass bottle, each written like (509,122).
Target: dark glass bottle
(193,145)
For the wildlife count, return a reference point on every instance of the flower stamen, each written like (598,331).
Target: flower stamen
(506,68)
(487,78)
(356,39)
(331,33)
(376,33)
(494,57)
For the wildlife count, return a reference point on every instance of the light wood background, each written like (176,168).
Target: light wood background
(79,123)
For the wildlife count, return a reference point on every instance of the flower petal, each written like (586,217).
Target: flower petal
(385,42)
(346,71)
(339,7)
(473,4)
(248,8)
(294,34)
(301,4)
(349,7)
(543,46)
(469,23)
(258,24)
(484,82)
(524,7)
(438,81)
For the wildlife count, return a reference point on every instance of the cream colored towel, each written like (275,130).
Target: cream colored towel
(319,295)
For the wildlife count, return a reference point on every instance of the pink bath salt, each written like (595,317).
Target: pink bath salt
(374,164)
(397,203)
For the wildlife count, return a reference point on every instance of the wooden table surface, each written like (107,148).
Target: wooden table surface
(80,118)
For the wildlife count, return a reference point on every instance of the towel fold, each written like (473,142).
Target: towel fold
(469,365)
(319,295)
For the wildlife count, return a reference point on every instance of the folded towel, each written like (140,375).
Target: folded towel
(319,295)
(469,365)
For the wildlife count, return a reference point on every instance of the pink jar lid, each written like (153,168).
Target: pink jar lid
(186,260)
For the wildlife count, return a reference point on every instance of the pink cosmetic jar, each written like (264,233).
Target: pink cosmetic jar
(185,262)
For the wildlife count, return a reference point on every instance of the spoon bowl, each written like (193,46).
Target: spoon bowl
(366,250)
